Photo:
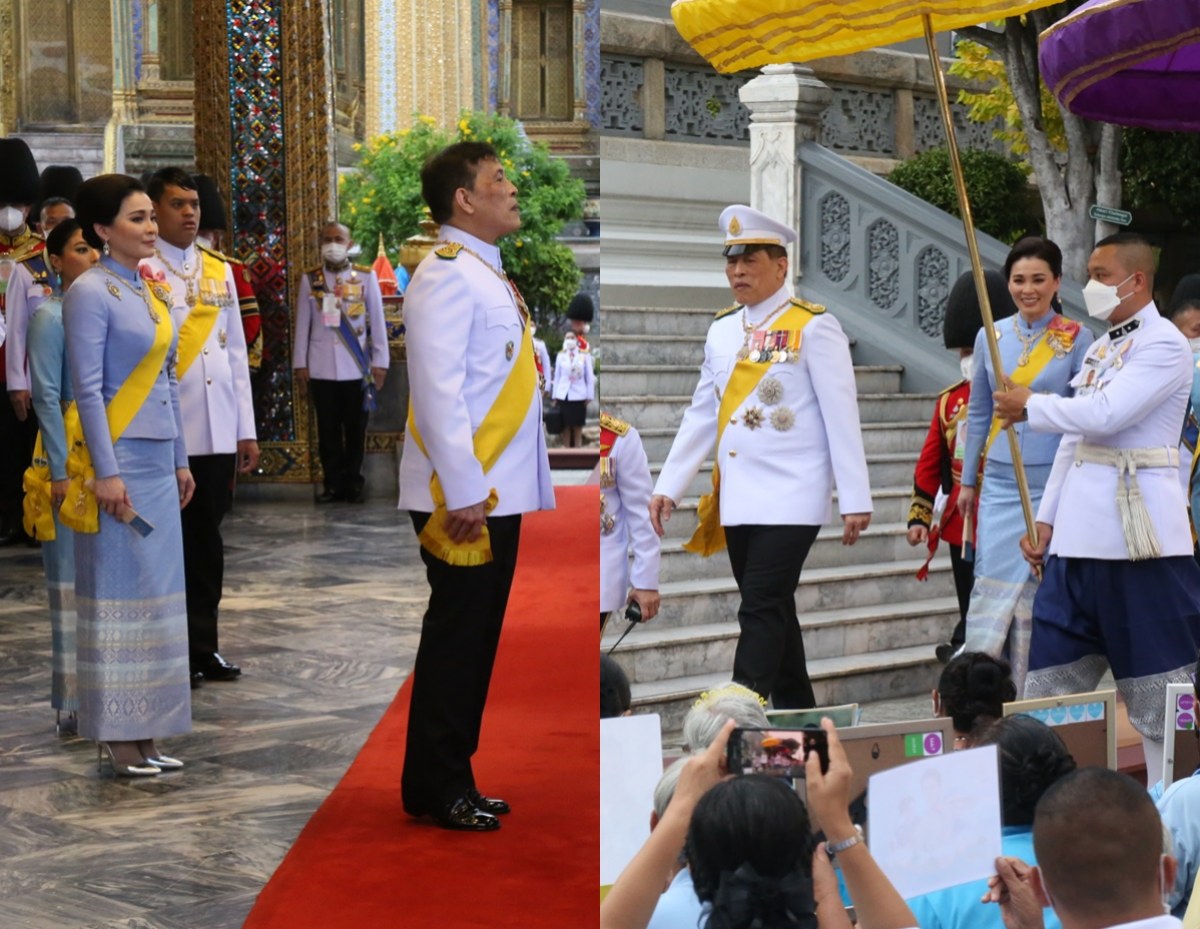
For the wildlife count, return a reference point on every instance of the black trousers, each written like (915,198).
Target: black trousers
(16,452)
(341,433)
(459,636)
(964,580)
(204,551)
(766,563)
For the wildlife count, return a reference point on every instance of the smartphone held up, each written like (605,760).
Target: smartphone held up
(776,752)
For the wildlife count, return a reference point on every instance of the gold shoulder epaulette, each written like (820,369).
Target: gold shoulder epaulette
(721,314)
(949,390)
(365,269)
(318,269)
(814,308)
(611,423)
(449,251)
(212,251)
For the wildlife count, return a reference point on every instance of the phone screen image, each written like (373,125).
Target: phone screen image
(775,752)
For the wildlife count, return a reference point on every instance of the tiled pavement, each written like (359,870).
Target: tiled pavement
(322,611)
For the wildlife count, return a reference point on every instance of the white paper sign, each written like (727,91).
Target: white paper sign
(935,823)
(630,766)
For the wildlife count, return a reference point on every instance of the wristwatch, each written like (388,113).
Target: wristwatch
(836,848)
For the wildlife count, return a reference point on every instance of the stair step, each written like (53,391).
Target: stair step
(714,598)
(639,321)
(897,672)
(664,410)
(678,378)
(654,653)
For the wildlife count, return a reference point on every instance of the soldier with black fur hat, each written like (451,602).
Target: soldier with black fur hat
(27,283)
(56,196)
(580,313)
(938,474)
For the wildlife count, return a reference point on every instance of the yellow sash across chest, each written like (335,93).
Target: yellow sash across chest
(497,429)
(79,510)
(1024,375)
(198,326)
(709,536)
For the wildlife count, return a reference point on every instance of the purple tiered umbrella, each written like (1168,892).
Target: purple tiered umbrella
(1129,62)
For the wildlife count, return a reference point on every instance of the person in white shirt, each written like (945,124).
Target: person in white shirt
(1120,587)
(471,466)
(777,398)
(1101,863)
(574,388)
(214,400)
(625,522)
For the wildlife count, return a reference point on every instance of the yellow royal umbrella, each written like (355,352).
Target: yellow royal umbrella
(737,34)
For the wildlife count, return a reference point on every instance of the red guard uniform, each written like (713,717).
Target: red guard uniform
(940,468)
(251,317)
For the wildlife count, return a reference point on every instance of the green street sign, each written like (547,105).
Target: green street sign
(1107,214)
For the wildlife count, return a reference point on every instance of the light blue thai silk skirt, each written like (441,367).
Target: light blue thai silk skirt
(134,680)
(1000,615)
(58,558)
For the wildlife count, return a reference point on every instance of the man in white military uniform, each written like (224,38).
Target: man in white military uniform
(341,353)
(474,460)
(777,395)
(214,400)
(1120,587)
(625,522)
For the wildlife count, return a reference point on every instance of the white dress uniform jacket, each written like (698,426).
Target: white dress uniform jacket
(24,295)
(574,376)
(214,394)
(628,502)
(463,333)
(771,476)
(539,349)
(1131,394)
(319,347)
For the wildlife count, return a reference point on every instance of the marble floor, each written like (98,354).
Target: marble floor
(322,610)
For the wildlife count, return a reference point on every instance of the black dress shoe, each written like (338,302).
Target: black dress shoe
(218,669)
(197,679)
(462,815)
(493,805)
(945,652)
(330,496)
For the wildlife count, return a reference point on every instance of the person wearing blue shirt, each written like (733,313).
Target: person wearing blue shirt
(1043,350)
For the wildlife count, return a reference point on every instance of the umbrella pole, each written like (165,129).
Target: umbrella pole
(985,307)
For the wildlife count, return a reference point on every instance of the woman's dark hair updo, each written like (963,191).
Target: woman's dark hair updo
(99,200)
(1032,757)
(975,686)
(750,849)
(60,235)
(1033,246)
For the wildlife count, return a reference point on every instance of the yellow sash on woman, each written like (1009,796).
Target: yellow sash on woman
(37,509)
(198,326)
(80,510)
(709,536)
(499,427)
(1043,353)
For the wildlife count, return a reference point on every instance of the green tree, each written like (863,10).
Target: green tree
(383,196)
(996,186)
(1158,170)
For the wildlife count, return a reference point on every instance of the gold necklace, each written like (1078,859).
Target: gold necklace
(144,293)
(1027,342)
(522,308)
(748,328)
(191,290)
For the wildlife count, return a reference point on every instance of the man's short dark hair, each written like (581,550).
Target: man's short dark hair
(453,167)
(615,698)
(54,201)
(1124,238)
(1098,839)
(163,178)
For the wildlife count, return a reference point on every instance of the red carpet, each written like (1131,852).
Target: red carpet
(361,863)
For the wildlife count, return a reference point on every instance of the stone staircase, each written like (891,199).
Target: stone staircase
(869,625)
(83,148)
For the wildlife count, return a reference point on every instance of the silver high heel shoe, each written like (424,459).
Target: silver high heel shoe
(151,755)
(124,770)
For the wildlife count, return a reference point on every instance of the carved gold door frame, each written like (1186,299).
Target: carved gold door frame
(64,63)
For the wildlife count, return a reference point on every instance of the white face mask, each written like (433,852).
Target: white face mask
(334,252)
(968,367)
(569,345)
(1101,299)
(11,220)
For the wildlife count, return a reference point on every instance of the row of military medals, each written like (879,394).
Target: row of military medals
(608,479)
(350,293)
(770,346)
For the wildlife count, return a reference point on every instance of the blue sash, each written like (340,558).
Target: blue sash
(350,340)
